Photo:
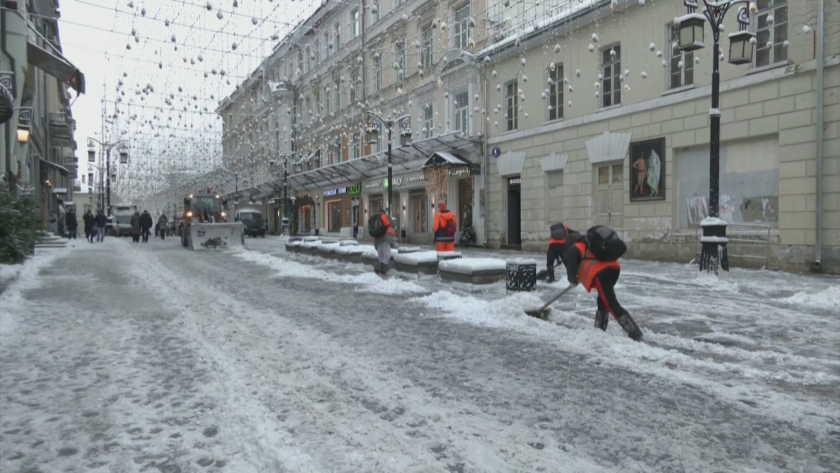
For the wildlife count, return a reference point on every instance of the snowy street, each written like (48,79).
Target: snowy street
(118,357)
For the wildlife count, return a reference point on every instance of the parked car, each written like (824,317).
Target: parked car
(253,223)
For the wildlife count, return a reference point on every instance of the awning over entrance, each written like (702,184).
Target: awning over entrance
(7,104)
(60,191)
(56,65)
(441,158)
(63,170)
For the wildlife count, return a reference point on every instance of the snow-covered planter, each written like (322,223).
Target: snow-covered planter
(309,246)
(293,246)
(370,257)
(418,262)
(473,270)
(351,253)
(327,250)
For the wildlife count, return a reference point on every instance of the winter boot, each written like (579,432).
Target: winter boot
(601,320)
(629,326)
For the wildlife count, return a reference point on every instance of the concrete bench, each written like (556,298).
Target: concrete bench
(371,258)
(352,253)
(293,246)
(448,255)
(309,247)
(417,262)
(327,250)
(476,271)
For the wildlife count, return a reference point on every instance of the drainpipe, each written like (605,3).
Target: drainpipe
(5,31)
(486,172)
(818,243)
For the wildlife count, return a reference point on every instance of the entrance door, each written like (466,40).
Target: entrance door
(609,195)
(465,202)
(334,216)
(514,212)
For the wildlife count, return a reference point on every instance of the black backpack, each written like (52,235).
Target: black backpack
(604,243)
(375,227)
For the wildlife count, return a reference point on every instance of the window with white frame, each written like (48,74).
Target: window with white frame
(427,52)
(355,146)
(327,50)
(377,73)
(461,28)
(682,63)
(352,87)
(306,58)
(772,32)
(336,36)
(308,110)
(399,61)
(555,93)
(428,120)
(301,61)
(375,5)
(512,99)
(354,23)
(461,110)
(611,69)
(336,98)
(327,109)
(316,53)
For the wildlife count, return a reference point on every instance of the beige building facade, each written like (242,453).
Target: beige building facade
(612,128)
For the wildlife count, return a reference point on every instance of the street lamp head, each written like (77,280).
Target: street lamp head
(23,134)
(692,31)
(741,47)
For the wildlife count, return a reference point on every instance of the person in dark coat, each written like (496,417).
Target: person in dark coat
(146,224)
(101,222)
(135,227)
(72,224)
(88,219)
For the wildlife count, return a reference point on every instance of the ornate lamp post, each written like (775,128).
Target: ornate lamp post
(714,241)
(405,138)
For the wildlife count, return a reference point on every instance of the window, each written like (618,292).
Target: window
(374,11)
(680,76)
(301,63)
(316,53)
(306,58)
(352,94)
(611,68)
(355,146)
(354,23)
(419,213)
(335,216)
(336,36)
(337,98)
(377,73)
(461,109)
(327,109)
(309,108)
(461,28)
(399,61)
(428,121)
(555,179)
(771,34)
(326,44)
(428,51)
(555,93)
(512,115)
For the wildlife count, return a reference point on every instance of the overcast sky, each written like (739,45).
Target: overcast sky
(157,82)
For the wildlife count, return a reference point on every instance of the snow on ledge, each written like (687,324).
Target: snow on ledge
(353,249)
(472,265)
(714,239)
(713,222)
(417,257)
(327,247)
(348,242)
(371,252)
(311,243)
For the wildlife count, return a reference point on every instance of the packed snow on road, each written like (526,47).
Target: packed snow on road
(116,357)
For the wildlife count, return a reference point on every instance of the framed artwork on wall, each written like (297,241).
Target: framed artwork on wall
(647,170)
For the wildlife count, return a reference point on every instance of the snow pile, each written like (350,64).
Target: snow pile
(416,258)
(9,271)
(473,265)
(353,249)
(368,281)
(311,243)
(328,247)
(348,243)
(12,302)
(371,252)
(826,299)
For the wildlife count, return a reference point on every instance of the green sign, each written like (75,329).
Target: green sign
(385,183)
(354,190)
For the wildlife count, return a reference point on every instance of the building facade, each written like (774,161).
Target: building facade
(37,144)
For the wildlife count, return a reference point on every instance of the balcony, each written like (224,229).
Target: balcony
(61,129)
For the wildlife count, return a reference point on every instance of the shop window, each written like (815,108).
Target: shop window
(419,213)
(334,216)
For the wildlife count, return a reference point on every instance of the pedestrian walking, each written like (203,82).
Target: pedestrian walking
(101,221)
(72,224)
(560,234)
(161,226)
(146,223)
(445,228)
(380,227)
(135,227)
(88,218)
(593,262)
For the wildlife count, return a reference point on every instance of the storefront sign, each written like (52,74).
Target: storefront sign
(355,190)
(496,151)
(331,192)
(459,171)
(475,169)
(514,182)
(374,184)
(407,180)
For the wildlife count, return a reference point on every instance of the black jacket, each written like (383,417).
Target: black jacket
(88,219)
(70,219)
(101,220)
(146,221)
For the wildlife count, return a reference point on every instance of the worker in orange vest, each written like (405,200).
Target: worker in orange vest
(445,228)
(556,248)
(582,267)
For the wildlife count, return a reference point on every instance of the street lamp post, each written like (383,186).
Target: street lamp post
(405,135)
(691,34)
(107,147)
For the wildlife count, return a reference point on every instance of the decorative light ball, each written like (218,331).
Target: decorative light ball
(209,7)
(486,59)
(664,63)
(806,29)
(612,53)
(166,22)
(498,87)
(143,12)
(219,15)
(571,89)
(770,19)
(577,72)
(785,44)
(496,124)
(524,78)
(494,73)
(652,47)
(627,87)
(595,38)
(200,58)
(591,47)
(128,46)
(597,94)
(172,38)
(556,48)
(658,53)
(526,114)
(644,75)
(697,60)
(443,26)
(753,7)
(130,4)
(753,40)
(681,65)
(542,95)
(524,61)
(570,103)
(160,65)
(769,44)
(721,27)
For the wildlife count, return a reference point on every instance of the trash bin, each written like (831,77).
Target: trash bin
(521,276)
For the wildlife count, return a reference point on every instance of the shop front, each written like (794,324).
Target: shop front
(337,212)
(306,215)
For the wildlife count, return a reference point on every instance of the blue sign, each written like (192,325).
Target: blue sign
(496,151)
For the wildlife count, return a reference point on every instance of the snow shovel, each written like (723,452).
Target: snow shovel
(542,312)
(542,274)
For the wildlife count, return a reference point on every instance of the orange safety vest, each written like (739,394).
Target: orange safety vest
(590,267)
(387,223)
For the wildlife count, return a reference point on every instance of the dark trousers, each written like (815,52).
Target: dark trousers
(135,238)
(145,234)
(553,254)
(72,231)
(605,284)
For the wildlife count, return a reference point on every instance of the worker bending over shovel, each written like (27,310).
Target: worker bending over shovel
(593,262)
